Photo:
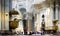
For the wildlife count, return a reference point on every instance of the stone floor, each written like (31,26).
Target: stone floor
(31,35)
(8,33)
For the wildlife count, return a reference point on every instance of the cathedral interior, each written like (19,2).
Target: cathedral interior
(30,16)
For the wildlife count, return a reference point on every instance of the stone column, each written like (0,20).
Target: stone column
(56,11)
(6,21)
(10,4)
(32,23)
(58,19)
(29,23)
(6,14)
(0,14)
(37,20)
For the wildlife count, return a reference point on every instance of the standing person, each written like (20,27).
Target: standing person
(25,30)
(43,25)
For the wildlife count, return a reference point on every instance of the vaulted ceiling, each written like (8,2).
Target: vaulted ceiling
(46,3)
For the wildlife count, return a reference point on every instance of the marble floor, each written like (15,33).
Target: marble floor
(32,35)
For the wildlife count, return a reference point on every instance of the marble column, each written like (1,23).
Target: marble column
(6,21)
(6,14)
(0,14)
(37,20)
(10,4)
(58,19)
(29,23)
(56,11)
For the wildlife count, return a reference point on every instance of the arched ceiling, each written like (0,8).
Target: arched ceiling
(46,3)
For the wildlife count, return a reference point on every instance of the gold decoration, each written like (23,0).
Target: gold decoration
(13,24)
(37,6)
